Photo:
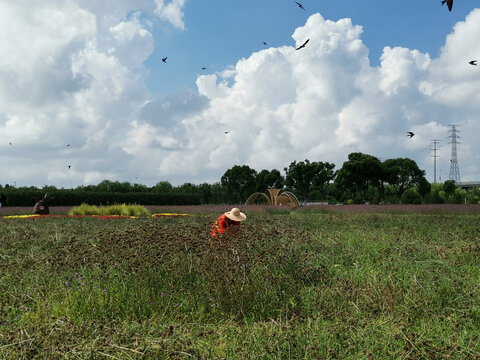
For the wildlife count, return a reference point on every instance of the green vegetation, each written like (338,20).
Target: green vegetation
(362,178)
(76,197)
(118,209)
(289,285)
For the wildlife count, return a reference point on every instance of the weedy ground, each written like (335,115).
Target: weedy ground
(310,285)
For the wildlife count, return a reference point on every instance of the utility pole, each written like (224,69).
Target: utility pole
(434,142)
(454,170)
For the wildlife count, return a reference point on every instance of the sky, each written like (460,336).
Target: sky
(86,97)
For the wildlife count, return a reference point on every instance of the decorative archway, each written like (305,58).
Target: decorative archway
(275,197)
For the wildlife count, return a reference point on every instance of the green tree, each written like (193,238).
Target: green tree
(473,195)
(49,188)
(268,179)
(303,176)
(411,196)
(162,187)
(205,192)
(218,194)
(358,173)
(113,186)
(186,188)
(239,182)
(436,195)
(459,196)
(402,174)
(423,188)
(449,187)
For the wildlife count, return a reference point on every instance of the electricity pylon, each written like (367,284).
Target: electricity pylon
(454,170)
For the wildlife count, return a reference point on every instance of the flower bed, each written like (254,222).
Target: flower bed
(66,216)
(168,214)
(35,216)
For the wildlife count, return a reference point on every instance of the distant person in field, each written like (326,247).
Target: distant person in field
(228,222)
(41,207)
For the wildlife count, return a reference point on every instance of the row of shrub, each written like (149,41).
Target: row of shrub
(118,209)
(65,197)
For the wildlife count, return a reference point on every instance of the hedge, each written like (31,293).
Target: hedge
(75,198)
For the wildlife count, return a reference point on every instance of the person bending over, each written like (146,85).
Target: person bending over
(228,222)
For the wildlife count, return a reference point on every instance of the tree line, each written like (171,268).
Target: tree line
(362,178)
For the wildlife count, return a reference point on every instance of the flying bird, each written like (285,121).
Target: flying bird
(69,166)
(264,43)
(165,59)
(204,68)
(410,134)
(449,4)
(303,45)
(473,62)
(67,145)
(226,132)
(301,6)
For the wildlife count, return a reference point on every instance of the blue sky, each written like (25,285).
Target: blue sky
(219,33)
(89,74)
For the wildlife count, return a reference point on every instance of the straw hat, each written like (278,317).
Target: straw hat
(236,215)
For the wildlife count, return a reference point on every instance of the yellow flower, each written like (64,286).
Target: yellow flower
(19,216)
(169,214)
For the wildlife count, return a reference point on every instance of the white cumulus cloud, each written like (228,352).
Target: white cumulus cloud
(71,72)
(171,11)
(326,100)
(79,79)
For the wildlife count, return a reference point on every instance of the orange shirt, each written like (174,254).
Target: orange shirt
(222,224)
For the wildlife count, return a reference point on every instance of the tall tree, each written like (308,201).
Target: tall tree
(305,175)
(162,187)
(239,181)
(268,179)
(205,192)
(403,174)
(423,188)
(359,172)
(186,188)
(218,194)
(449,187)
(114,186)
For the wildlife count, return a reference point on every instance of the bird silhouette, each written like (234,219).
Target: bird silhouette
(264,43)
(165,59)
(226,132)
(69,166)
(303,45)
(204,68)
(449,4)
(300,5)
(473,62)
(10,143)
(67,145)
(410,134)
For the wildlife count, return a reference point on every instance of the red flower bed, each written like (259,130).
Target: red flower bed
(65,216)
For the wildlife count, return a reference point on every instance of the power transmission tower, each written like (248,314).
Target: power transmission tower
(434,142)
(454,171)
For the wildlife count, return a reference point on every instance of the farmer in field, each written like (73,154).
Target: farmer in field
(41,207)
(228,222)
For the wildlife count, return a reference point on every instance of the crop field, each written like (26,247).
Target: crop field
(318,283)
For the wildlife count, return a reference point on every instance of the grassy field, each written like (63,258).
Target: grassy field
(318,284)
